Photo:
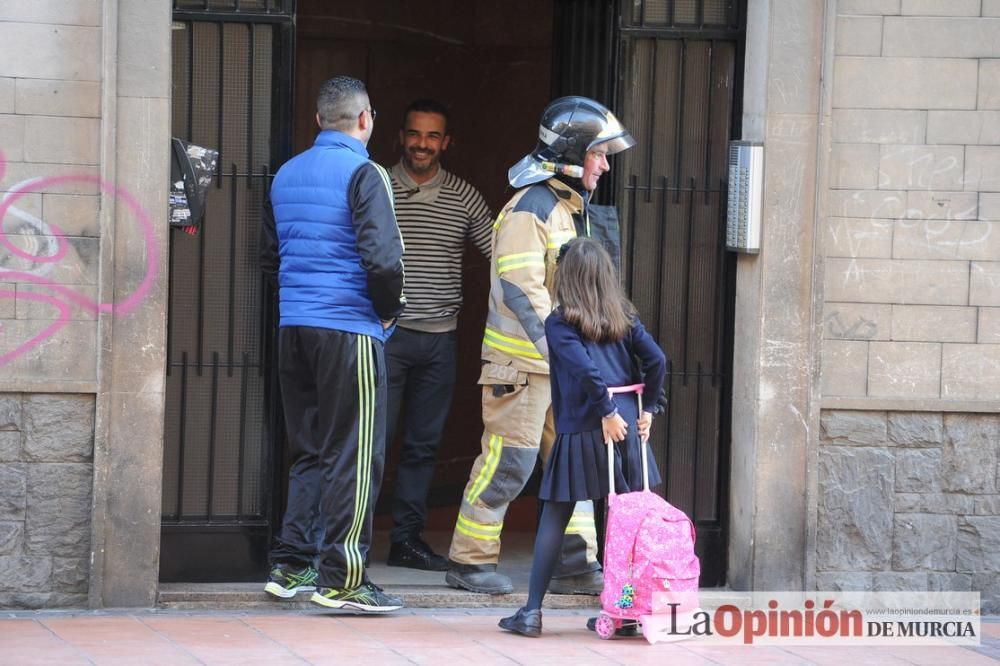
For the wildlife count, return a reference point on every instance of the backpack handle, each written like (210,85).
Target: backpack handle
(637,389)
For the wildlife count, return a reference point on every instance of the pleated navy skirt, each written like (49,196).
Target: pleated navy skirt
(577,469)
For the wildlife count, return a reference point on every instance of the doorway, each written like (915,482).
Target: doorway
(670,69)
(231,74)
(490,64)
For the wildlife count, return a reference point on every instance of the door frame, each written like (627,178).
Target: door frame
(190,542)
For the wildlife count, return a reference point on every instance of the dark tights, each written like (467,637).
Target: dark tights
(548,546)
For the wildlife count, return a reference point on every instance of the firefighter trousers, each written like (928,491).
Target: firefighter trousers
(517,417)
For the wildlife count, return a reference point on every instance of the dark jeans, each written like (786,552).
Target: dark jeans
(421,368)
(333,388)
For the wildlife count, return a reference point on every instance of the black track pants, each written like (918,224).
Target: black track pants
(333,387)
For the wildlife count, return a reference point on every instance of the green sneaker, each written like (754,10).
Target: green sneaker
(367,598)
(285,581)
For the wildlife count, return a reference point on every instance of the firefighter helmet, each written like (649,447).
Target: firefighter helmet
(570,127)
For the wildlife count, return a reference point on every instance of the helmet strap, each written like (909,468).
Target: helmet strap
(570,170)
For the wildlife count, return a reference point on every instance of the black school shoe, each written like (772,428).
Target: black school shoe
(525,622)
(414,553)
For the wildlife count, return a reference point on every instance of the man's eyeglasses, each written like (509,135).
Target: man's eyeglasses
(372,112)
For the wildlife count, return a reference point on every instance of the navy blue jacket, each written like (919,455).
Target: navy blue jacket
(581,371)
(340,251)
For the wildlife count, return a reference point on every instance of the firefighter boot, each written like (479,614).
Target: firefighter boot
(591,582)
(481,578)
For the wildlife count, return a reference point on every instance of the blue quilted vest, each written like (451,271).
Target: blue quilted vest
(321,280)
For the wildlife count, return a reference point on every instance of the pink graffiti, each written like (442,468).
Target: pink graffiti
(68,294)
(46,333)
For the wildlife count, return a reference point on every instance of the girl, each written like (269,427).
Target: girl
(593,336)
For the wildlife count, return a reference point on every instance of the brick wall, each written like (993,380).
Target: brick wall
(46,475)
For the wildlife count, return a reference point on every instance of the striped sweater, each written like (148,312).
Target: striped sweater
(436,218)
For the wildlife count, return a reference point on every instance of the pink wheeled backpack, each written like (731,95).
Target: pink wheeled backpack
(650,567)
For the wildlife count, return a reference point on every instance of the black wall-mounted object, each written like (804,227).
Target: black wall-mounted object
(191,170)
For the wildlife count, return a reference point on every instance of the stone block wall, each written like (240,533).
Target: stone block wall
(912,226)
(50,128)
(85,107)
(46,479)
(909,501)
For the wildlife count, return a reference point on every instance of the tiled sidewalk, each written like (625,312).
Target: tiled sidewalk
(410,637)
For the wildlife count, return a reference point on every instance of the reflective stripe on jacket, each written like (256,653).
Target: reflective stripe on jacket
(528,233)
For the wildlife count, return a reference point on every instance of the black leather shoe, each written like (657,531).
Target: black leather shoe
(628,628)
(524,622)
(415,554)
(481,578)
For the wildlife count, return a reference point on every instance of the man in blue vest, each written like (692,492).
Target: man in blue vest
(337,251)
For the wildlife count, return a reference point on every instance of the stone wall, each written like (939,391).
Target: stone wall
(50,128)
(909,501)
(912,236)
(84,106)
(46,478)
(776,302)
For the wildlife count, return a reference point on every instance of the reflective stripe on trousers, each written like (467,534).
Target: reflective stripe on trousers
(516,417)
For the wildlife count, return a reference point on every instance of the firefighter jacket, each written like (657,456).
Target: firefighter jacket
(530,230)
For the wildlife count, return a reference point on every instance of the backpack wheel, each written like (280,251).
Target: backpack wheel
(605,627)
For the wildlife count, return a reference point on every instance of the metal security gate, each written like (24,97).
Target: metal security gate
(678,91)
(231,92)
(671,70)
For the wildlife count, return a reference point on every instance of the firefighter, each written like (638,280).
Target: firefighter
(550,208)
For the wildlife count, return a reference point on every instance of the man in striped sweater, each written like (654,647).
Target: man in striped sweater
(437,213)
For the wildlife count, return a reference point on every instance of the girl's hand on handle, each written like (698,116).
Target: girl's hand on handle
(614,428)
(643,425)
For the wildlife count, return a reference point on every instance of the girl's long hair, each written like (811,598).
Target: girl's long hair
(588,292)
